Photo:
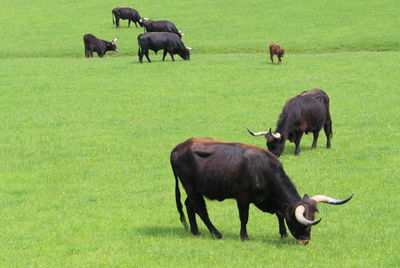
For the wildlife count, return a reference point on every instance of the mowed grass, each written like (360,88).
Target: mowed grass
(84,148)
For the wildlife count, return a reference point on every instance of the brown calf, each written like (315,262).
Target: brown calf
(274,49)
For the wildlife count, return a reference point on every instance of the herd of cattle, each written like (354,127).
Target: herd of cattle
(221,170)
(161,35)
(251,175)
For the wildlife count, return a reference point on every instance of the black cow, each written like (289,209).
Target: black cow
(94,44)
(307,112)
(126,13)
(169,42)
(220,170)
(160,26)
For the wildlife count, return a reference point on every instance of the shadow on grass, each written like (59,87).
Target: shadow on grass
(180,232)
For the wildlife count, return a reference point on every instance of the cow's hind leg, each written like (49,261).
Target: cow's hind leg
(146,53)
(243,206)
(192,217)
(201,210)
(282,227)
(328,133)
(315,139)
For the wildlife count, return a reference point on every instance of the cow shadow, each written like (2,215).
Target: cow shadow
(179,232)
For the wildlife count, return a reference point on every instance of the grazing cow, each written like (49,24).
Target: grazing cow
(169,42)
(274,49)
(220,170)
(307,112)
(160,26)
(126,13)
(94,44)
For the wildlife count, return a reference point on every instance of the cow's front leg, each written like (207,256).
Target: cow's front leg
(164,54)
(172,55)
(315,139)
(243,206)
(297,140)
(282,227)
(279,60)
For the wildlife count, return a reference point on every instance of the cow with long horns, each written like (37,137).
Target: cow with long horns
(169,42)
(94,44)
(251,175)
(307,112)
(160,26)
(126,13)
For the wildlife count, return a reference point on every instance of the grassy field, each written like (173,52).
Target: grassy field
(84,149)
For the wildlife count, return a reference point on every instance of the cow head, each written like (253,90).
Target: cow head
(274,140)
(281,52)
(301,217)
(142,21)
(112,45)
(185,54)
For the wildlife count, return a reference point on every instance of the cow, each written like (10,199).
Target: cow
(169,42)
(251,175)
(307,112)
(94,44)
(126,13)
(274,49)
(160,26)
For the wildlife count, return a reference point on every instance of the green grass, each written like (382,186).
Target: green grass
(84,145)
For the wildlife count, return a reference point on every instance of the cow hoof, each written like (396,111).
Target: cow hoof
(284,235)
(244,238)
(196,233)
(217,235)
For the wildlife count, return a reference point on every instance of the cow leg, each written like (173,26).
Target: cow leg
(297,140)
(164,54)
(243,206)
(328,133)
(146,53)
(192,217)
(279,60)
(201,210)
(282,227)
(135,24)
(172,55)
(315,139)
(117,22)
(87,53)
(129,23)
(272,57)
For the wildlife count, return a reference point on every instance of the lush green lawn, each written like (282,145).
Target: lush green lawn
(85,178)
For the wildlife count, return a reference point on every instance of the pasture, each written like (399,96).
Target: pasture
(85,178)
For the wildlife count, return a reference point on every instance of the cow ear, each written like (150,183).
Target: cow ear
(306,197)
(286,209)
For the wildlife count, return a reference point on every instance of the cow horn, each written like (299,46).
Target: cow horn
(256,133)
(330,200)
(189,48)
(299,213)
(276,135)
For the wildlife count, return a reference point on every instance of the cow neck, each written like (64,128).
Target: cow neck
(281,126)
(286,193)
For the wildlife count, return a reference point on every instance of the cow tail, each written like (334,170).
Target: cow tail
(178,197)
